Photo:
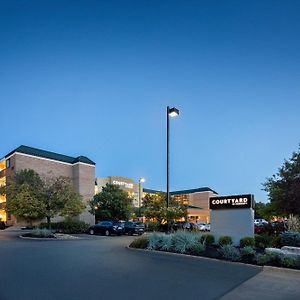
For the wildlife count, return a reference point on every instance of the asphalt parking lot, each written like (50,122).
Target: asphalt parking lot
(96,267)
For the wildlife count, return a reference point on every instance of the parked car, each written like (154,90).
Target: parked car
(259,222)
(132,228)
(200,226)
(207,227)
(106,228)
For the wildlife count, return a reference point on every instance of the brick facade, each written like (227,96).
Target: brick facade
(82,176)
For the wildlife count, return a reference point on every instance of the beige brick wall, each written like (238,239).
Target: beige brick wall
(82,176)
(84,183)
(45,168)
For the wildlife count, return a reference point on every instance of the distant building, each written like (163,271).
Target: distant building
(80,170)
(197,201)
(134,189)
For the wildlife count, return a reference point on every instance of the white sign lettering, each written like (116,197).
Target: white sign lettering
(123,183)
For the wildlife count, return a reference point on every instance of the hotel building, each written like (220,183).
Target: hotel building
(126,184)
(80,170)
(197,201)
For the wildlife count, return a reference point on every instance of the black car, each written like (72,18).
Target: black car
(106,228)
(134,228)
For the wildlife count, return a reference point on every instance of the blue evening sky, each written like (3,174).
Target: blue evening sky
(94,78)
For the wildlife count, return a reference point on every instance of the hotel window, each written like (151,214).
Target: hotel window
(8,163)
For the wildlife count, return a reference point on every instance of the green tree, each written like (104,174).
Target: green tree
(32,198)
(265,210)
(61,199)
(111,203)
(26,205)
(154,207)
(25,194)
(283,188)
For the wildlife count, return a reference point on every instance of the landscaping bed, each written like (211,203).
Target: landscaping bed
(47,234)
(250,250)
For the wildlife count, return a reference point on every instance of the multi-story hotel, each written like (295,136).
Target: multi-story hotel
(80,170)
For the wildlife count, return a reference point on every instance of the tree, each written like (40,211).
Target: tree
(111,203)
(32,198)
(25,194)
(283,188)
(26,205)
(265,210)
(61,199)
(154,207)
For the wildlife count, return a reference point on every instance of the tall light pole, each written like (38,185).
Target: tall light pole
(171,112)
(141,180)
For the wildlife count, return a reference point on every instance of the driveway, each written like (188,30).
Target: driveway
(103,268)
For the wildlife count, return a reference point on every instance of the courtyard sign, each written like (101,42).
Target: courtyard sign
(231,202)
(123,183)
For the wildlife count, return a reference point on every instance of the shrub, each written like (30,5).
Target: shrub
(247,251)
(230,252)
(197,249)
(290,238)
(183,241)
(275,258)
(68,226)
(40,233)
(247,241)
(225,240)
(167,243)
(152,226)
(275,241)
(155,241)
(289,262)
(262,241)
(141,243)
(262,259)
(207,239)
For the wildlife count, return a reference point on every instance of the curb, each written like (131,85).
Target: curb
(196,257)
(47,239)
(37,239)
(263,268)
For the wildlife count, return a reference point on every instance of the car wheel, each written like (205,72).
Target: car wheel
(106,233)
(92,232)
(130,232)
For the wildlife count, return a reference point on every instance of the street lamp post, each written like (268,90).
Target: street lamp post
(171,112)
(141,180)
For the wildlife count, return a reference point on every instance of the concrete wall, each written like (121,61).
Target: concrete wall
(237,223)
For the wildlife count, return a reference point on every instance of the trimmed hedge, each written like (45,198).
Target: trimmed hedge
(207,239)
(141,243)
(247,241)
(67,226)
(225,240)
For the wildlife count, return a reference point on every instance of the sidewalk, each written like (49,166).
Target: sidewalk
(271,283)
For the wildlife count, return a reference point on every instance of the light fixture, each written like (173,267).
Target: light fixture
(173,112)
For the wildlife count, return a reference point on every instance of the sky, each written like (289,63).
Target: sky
(94,78)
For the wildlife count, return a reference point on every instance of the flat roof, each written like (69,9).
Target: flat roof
(51,155)
(182,192)
(191,191)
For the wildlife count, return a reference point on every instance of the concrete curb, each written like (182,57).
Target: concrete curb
(48,239)
(37,239)
(263,268)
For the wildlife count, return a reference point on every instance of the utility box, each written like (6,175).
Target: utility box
(232,216)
